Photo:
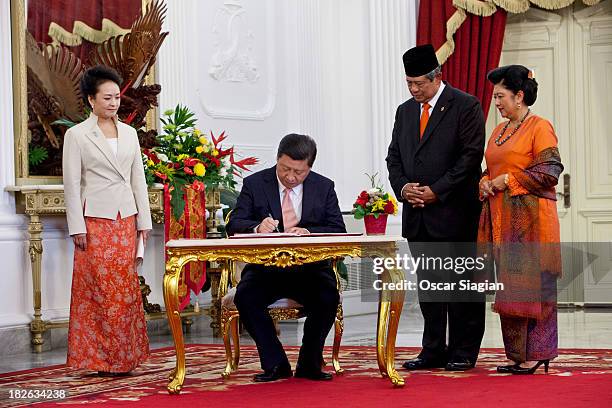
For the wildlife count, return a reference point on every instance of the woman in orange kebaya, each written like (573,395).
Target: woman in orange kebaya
(107,208)
(519,218)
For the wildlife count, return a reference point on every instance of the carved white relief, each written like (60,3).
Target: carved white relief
(233,59)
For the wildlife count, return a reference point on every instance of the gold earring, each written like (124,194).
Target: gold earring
(518,105)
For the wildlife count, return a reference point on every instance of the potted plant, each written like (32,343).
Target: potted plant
(374,205)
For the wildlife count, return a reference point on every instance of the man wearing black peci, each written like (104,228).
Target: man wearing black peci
(288,197)
(434,167)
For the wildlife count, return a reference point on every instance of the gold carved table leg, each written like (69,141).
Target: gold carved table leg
(174,265)
(35,249)
(390,307)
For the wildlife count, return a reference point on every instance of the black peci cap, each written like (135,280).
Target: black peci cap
(420,60)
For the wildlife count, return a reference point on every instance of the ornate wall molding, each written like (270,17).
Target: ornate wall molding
(543,27)
(233,60)
(241,64)
(595,38)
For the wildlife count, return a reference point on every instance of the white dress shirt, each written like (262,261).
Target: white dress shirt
(114,144)
(434,100)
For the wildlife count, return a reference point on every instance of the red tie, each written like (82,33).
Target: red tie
(289,216)
(424,118)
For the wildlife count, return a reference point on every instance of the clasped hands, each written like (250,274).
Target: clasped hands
(488,187)
(269,225)
(418,195)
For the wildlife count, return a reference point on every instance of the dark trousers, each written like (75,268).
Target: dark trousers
(312,285)
(462,313)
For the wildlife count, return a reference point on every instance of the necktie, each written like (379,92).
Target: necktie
(424,118)
(289,216)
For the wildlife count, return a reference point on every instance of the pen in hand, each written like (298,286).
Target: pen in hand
(276,226)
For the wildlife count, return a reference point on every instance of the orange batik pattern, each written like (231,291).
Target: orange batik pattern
(192,224)
(107,329)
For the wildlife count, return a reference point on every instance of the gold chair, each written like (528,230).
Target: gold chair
(283,309)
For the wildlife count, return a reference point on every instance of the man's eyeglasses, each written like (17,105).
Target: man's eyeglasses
(418,84)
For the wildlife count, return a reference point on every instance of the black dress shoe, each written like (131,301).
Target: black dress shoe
(517,369)
(316,375)
(506,369)
(459,365)
(275,373)
(422,364)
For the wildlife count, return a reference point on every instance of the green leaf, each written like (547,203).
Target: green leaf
(37,155)
(359,212)
(64,122)
(177,201)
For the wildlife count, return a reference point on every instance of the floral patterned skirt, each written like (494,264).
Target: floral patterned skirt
(107,329)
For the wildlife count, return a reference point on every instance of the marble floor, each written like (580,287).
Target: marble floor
(578,328)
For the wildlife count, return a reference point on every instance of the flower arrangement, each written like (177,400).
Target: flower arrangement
(374,201)
(186,157)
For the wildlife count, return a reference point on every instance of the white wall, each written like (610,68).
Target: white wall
(331,69)
(14,295)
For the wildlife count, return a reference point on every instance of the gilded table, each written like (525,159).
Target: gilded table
(284,252)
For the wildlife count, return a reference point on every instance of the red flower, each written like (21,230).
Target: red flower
(190,161)
(152,156)
(160,175)
(131,117)
(364,196)
(188,170)
(219,140)
(216,161)
(389,208)
(223,153)
(249,161)
(362,202)
(197,185)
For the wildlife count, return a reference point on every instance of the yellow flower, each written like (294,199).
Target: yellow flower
(197,132)
(379,205)
(199,169)
(203,140)
(199,149)
(181,157)
(150,163)
(215,153)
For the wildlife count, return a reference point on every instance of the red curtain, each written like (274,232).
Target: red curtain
(478,45)
(41,13)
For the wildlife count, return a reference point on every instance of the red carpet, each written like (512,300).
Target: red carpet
(577,378)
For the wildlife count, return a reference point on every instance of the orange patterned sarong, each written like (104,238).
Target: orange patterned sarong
(107,329)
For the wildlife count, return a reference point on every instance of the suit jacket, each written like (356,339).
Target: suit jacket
(447,159)
(98,184)
(260,196)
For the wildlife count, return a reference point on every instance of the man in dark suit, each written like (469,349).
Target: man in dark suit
(434,166)
(288,197)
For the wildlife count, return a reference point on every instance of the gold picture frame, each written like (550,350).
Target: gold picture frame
(20,102)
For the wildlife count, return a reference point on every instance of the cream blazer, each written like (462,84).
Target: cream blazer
(99,184)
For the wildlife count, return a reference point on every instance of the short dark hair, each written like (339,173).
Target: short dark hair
(298,147)
(516,78)
(94,77)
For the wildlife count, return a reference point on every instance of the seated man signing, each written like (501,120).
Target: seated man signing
(288,197)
